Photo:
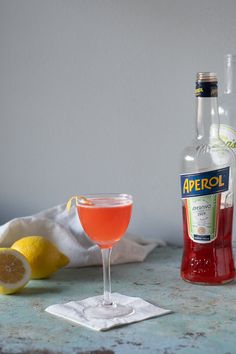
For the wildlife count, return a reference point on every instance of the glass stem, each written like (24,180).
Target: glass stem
(106,256)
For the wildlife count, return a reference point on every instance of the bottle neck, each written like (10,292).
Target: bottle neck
(230,74)
(207,118)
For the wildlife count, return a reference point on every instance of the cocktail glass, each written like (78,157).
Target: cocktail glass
(105,218)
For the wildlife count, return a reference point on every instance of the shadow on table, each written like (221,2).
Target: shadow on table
(31,291)
(82,275)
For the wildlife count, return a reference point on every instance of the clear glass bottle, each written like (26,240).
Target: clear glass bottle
(208,168)
(227,103)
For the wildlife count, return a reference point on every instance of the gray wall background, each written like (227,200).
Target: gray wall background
(97,96)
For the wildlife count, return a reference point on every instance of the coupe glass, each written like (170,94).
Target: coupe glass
(105,218)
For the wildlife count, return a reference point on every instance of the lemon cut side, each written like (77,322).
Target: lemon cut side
(15,271)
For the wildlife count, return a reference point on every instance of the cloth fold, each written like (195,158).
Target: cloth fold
(65,231)
(74,311)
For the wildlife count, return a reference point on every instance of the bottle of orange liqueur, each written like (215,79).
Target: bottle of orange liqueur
(208,170)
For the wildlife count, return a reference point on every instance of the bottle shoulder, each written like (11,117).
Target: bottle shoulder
(207,145)
(207,155)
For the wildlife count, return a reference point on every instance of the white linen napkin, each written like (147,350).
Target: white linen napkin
(66,232)
(74,311)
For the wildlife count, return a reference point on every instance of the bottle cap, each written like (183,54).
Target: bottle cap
(206,85)
(206,77)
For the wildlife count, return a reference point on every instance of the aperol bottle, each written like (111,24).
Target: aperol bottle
(207,175)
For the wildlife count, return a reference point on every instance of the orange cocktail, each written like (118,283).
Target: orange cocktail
(105,220)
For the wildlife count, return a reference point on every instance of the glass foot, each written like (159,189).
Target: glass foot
(108,311)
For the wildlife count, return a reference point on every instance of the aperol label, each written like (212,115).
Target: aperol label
(202,195)
(204,183)
(202,217)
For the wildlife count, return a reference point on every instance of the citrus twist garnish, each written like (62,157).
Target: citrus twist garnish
(77,198)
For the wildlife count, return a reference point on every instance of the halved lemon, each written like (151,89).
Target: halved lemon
(43,256)
(15,271)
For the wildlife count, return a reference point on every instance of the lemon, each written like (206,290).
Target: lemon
(42,255)
(14,271)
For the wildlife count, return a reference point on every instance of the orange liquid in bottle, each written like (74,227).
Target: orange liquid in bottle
(210,263)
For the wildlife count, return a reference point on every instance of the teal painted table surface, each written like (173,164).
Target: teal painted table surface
(203,318)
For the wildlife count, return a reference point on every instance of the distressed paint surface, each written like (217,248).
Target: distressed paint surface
(204,318)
